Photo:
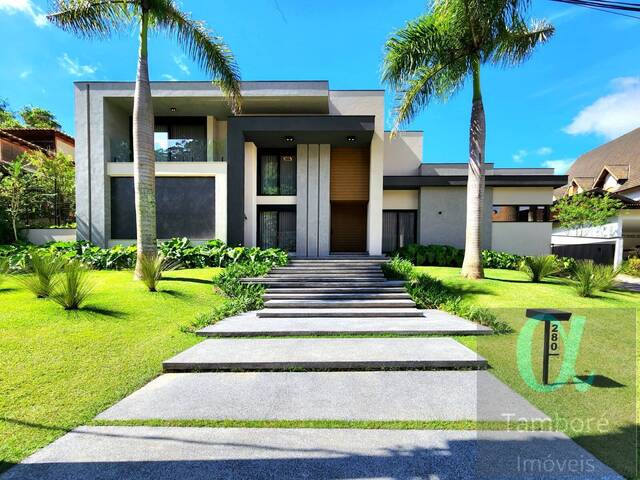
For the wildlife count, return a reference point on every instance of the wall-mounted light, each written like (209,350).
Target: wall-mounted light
(351,138)
(173,109)
(289,139)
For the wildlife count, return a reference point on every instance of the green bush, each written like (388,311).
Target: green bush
(179,250)
(632,267)
(437,255)
(538,268)
(42,278)
(589,278)
(74,288)
(501,260)
(4,269)
(397,268)
(432,293)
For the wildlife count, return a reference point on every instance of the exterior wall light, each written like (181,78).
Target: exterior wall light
(289,139)
(173,109)
(351,138)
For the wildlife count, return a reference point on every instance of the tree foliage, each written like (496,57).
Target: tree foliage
(37,117)
(14,187)
(8,119)
(585,210)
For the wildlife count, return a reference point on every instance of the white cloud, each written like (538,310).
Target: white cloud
(74,68)
(611,115)
(542,151)
(169,78)
(181,65)
(25,74)
(519,156)
(27,7)
(560,165)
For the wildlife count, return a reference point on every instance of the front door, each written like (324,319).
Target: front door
(348,226)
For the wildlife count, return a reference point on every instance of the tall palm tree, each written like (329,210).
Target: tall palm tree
(432,57)
(102,18)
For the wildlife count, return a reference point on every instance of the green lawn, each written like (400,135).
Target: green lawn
(608,347)
(60,369)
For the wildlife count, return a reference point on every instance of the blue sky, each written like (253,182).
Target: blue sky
(576,92)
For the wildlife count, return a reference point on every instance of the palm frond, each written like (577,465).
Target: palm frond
(92,18)
(514,45)
(206,49)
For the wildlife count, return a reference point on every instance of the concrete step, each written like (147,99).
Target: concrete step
(337,290)
(325,354)
(341,303)
(313,270)
(340,258)
(330,295)
(433,322)
(338,312)
(331,283)
(375,396)
(328,274)
(205,453)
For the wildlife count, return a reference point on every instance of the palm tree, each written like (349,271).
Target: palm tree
(102,18)
(432,57)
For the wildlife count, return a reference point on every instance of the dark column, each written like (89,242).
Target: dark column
(235,182)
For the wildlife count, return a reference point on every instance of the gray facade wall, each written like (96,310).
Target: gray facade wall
(443,215)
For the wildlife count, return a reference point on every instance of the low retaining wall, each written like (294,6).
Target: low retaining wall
(40,236)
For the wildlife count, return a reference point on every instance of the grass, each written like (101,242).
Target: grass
(59,369)
(608,348)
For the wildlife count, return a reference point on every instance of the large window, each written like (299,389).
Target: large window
(398,229)
(277,227)
(276,172)
(520,213)
(180,139)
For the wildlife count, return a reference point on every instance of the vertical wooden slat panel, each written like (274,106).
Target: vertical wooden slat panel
(349,174)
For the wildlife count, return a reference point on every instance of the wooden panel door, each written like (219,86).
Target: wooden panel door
(348,226)
(349,174)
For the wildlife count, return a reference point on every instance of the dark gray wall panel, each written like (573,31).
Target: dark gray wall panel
(185,208)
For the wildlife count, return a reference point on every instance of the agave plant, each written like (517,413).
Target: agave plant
(590,278)
(537,268)
(151,268)
(606,275)
(44,274)
(74,287)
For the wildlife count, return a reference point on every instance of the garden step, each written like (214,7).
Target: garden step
(337,290)
(356,396)
(334,283)
(433,322)
(330,295)
(342,303)
(315,273)
(325,354)
(338,312)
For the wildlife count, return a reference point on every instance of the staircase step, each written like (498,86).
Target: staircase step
(312,274)
(347,304)
(280,282)
(337,290)
(338,312)
(325,354)
(331,295)
(433,322)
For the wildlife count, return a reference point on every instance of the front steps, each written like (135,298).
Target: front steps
(325,354)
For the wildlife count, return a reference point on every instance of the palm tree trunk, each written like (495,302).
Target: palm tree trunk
(144,169)
(472,264)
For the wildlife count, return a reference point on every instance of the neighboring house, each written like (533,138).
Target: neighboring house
(304,168)
(612,168)
(12,146)
(51,140)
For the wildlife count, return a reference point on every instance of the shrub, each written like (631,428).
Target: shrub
(537,268)
(151,268)
(74,287)
(632,267)
(437,255)
(43,277)
(589,278)
(502,260)
(397,268)
(4,269)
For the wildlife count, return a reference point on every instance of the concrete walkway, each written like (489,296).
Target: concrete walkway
(372,378)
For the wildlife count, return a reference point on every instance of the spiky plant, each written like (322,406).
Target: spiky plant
(4,269)
(606,276)
(151,268)
(43,276)
(74,287)
(433,56)
(102,18)
(537,268)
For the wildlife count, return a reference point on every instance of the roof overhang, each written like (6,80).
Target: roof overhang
(416,181)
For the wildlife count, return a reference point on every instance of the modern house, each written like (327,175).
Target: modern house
(48,139)
(304,168)
(612,168)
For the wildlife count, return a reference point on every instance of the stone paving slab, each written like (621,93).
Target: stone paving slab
(376,396)
(324,353)
(163,453)
(434,322)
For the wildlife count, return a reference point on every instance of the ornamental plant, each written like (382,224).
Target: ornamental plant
(585,209)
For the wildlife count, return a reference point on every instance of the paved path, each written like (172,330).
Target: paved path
(320,298)
(160,453)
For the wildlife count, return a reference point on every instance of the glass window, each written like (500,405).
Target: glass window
(398,229)
(520,213)
(277,172)
(180,139)
(277,227)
